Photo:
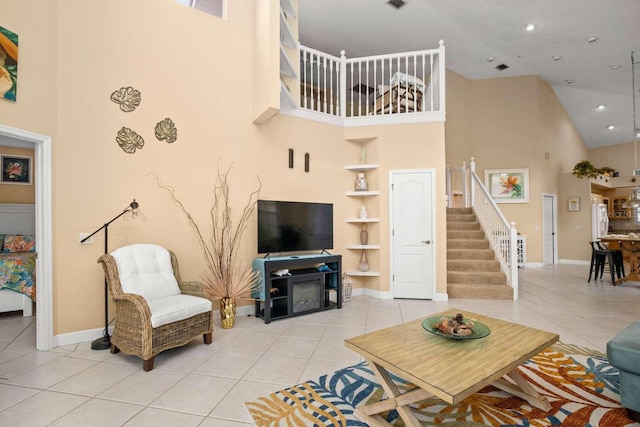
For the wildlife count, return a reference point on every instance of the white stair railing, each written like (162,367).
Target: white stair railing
(466,189)
(501,234)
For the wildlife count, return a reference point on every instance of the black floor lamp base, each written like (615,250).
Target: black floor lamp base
(102,343)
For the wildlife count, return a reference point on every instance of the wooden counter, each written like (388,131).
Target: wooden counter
(629,247)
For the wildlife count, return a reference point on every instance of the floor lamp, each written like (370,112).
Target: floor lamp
(104,342)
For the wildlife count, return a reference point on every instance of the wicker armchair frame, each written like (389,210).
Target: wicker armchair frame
(133,333)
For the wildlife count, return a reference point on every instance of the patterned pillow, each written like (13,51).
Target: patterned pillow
(15,243)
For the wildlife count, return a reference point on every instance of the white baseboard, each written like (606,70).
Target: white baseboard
(441,297)
(534,264)
(378,294)
(573,261)
(79,336)
(358,292)
(91,334)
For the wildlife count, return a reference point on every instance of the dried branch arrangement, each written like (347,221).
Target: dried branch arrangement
(225,276)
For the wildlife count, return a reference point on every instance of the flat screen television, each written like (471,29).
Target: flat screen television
(294,226)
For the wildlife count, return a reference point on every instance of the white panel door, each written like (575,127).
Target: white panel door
(412,227)
(548,229)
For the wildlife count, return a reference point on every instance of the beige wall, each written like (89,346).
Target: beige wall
(621,157)
(35,24)
(13,193)
(574,227)
(458,129)
(515,122)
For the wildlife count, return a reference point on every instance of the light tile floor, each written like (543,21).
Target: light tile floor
(200,385)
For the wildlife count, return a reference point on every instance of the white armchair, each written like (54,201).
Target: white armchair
(155,310)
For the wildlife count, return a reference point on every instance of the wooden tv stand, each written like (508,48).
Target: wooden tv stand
(305,290)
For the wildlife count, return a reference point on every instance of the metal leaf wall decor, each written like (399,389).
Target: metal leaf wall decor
(129,140)
(127,97)
(166,130)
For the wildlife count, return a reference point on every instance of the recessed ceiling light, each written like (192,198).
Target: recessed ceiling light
(600,107)
(592,39)
(611,127)
(568,81)
(615,67)
(557,58)
(491,59)
(530,27)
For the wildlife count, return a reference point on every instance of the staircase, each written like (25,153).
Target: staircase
(472,270)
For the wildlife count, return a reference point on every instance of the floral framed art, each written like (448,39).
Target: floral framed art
(16,169)
(508,185)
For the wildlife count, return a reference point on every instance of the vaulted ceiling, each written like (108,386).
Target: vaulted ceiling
(584,76)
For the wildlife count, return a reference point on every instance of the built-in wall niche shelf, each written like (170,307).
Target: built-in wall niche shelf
(285,32)
(287,7)
(362,246)
(286,67)
(285,96)
(362,193)
(363,273)
(361,220)
(362,168)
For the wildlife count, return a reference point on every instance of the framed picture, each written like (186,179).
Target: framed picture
(15,169)
(574,204)
(508,185)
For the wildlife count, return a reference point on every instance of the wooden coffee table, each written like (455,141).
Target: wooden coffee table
(449,369)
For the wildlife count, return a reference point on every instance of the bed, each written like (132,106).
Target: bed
(405,94)
(17,258)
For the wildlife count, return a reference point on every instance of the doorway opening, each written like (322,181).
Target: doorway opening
(43,210)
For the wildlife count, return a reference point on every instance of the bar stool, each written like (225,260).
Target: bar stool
(618,261)
(599,258)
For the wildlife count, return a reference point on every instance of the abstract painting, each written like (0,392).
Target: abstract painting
(8,64)
(508,185)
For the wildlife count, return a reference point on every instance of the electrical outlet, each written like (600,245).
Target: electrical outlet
(88,242)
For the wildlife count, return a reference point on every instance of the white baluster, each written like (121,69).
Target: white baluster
(441,75)
(304,77)
(375,84)
(343,84)
(415,105)
(324,74)
(331,110)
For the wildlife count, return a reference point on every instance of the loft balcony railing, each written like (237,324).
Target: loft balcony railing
(396,85)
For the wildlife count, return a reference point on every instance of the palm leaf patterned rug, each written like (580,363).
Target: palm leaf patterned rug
(580,384)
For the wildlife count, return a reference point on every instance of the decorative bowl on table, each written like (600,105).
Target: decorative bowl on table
(434,325)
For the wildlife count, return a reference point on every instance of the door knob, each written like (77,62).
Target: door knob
(426,242)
